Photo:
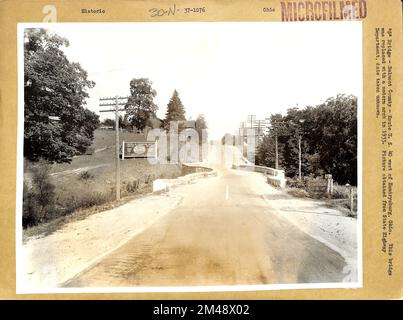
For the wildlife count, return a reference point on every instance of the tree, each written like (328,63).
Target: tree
(337,124)
(266,154)
(175,111)
(140,105)
(228,139)
(54,86)
(123,122)
(328,140)
(266,151)
(109,123)
(87,123)
(201,125)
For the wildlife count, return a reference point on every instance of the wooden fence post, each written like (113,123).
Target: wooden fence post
(351,198)
(329,187)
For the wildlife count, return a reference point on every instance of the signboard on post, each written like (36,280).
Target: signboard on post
(145,149)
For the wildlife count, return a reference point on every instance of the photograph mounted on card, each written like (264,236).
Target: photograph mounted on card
(220,149)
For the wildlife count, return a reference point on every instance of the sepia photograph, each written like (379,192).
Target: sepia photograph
(189,156)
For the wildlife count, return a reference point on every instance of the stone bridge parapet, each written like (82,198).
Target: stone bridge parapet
(274,177)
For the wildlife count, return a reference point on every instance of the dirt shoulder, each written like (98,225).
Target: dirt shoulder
(328,225)
(51,260)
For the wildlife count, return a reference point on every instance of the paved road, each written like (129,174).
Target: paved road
(222,233)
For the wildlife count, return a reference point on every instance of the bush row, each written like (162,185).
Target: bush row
(42,202)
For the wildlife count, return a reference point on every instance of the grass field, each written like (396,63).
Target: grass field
(89,180)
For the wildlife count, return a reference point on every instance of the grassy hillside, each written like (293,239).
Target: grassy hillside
(104,146)
(106,138)
(90,179)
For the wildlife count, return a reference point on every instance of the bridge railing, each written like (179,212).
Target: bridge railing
(274,177)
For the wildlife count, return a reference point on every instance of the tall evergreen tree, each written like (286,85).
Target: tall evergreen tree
(175,111)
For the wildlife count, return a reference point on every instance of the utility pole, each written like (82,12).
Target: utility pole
(301,121)
(276,136)
(115,102)
(260,125)
(251,120)
(299,157)
(276,128)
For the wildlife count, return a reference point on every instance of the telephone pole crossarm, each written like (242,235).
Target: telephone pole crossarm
(112,110)
(113,98)
(115,102)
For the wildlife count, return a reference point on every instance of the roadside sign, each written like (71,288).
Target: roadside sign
(144,149)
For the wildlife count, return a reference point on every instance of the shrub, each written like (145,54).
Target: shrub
(298,192)
(296,183)
(133,186)
(29,218)
(340,192)
(85,175)
(315,187)
(149,178)
(39,198)
(82,201)
(92,199)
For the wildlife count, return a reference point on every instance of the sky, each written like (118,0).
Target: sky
(225,71)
